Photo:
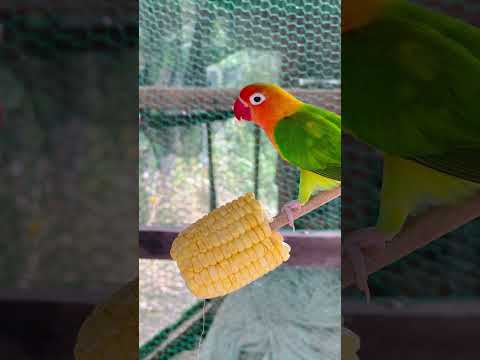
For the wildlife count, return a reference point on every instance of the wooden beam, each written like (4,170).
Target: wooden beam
(58,295)
(71,7)
(216,99)
(307,246)
(397,330)
(417,233)
(392,307)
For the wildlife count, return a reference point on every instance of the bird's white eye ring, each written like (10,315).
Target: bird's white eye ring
(257,98)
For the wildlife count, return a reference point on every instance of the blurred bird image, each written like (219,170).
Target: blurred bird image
(411,85)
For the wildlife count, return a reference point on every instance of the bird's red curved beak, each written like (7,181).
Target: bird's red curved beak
(241,110)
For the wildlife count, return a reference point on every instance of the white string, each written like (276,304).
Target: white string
(203,329)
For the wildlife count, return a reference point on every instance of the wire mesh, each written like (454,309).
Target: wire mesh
(446,267)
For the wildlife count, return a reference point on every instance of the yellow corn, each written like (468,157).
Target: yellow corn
(228,249)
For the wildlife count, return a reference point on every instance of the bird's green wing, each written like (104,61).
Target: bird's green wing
(310,139)
(413,92)
(455,29)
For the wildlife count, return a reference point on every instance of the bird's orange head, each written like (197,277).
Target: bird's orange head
(264,105)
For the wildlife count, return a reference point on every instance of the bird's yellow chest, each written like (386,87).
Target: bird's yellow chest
(422,187)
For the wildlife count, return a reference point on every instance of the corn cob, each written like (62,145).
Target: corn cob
(228,248)
(350,344)
(108,331)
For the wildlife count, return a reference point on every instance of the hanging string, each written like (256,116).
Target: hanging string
(203,329)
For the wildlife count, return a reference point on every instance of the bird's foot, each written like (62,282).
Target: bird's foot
(290,209)
(368,241)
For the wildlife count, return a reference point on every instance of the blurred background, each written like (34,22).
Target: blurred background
(68,165)
(416,300)
(195,56)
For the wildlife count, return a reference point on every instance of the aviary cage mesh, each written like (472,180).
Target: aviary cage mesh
(195,56)
(446,267)
(62,66)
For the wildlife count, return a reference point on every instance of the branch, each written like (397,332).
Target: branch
(417,233)
(314,203)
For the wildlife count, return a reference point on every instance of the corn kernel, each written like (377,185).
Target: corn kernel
(218,255)
(236,262)
(225,251)
(259,250)
(258,232)
(244,241)
(218,286)
(213,273)
(226,266)
(221,272)
(238,279)
(210,290)
(197,266)
(252,271)
(276,237)
(242,245)
(271,260)
(205,276)
(203,260)
(251,255)
(245,274)
(266,229)
(251,220)
(211,258)
(264,263)
(267,242)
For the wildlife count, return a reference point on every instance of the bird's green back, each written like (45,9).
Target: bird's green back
(310,139)
(455,29)
(411,87)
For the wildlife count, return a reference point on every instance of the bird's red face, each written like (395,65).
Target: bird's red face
(264,105)
(241,110)
(248,102)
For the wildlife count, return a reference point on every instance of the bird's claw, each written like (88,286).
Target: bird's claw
(369,241)
(290,208)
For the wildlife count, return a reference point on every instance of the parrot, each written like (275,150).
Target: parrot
(306,136)
(411,90)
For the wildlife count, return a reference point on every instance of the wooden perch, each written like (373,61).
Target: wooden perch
(215,99)
(417,233)
(314,203)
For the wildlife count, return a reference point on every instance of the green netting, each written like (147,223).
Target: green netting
(446,267)
(186,340)
(193,156)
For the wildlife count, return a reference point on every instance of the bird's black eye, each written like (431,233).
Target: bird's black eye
(257,98)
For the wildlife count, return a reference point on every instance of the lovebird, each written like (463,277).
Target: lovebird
(411,89)
(304,135)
